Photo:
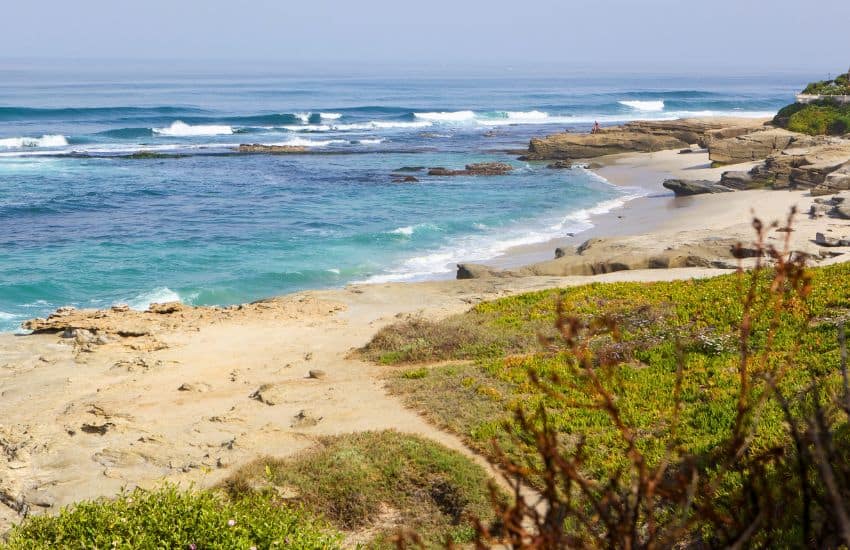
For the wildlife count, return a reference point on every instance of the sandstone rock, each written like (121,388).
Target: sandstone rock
(740,180)
(756,145)
(317,374)
(477,169)
(410,169)
(399,178)
(166,307)
(823,240)
(808,167)
(638,136)
(476,271)
(840,197)
(841,210)
(606,255)
(272,149)
(819,210)
(694,187)
(120,308)
(560,165)
(560,252)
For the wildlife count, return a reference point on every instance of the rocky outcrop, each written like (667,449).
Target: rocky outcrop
(272,149)
(755,145)
(639,136)
(478,169)
(607,255)
(823,168)
(685,188)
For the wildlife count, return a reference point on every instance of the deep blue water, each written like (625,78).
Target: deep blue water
(81,225)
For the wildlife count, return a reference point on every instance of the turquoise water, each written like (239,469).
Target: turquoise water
(81,224)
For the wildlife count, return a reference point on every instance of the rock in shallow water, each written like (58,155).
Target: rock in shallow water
(684,188)
(477,169)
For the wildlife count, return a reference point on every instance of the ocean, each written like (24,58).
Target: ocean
(83,223)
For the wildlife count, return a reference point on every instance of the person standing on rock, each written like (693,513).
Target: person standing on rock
(596,127)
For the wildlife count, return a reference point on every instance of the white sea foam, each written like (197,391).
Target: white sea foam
(526,115)
(48,140)
(448,116)
(301,142)
(333,270)
(492,244)
(381,125)
(370,141)
(330,116)
(300,128)
(652,105)
(179,128)
(303,117)
(155,296)
(7,316)
(406,230)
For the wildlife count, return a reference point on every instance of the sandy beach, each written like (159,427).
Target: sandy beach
(188,394)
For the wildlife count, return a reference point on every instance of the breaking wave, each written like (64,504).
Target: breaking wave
(179,128)
(49,140)
(649,106)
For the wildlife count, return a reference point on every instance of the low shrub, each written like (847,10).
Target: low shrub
(169,517)
(819,118)
(380,482)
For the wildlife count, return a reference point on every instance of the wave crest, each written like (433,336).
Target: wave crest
(447,116)
(48,140)
(640,105)
(179,128)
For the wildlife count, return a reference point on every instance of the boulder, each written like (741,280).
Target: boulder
(560,165)
(683,188)
(740,181)
(823,240)
(819,210)
(477,271)
(841,210)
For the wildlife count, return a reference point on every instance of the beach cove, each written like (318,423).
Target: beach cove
(186,393)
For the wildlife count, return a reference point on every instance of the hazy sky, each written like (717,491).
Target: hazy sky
(674,35)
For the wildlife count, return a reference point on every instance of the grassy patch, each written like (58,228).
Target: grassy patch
(172,518)
(654,322)
(379,481)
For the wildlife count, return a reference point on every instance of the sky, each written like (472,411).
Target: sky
(605,35)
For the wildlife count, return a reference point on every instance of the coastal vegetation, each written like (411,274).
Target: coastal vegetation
(713,412)
(364,485)
(840,85)
(692,413)
(822,117)
(379,481)
(817,118)
(169,517)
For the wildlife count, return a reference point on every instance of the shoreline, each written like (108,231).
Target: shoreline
(658,209)
(119,398)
